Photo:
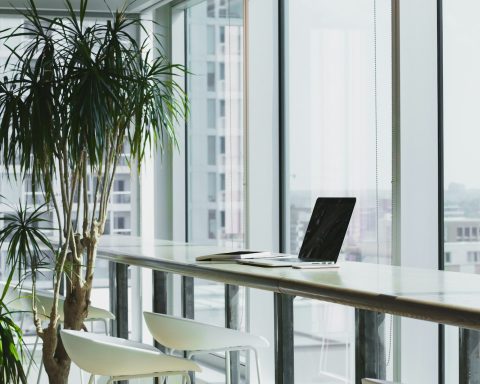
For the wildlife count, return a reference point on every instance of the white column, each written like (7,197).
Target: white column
(418,175)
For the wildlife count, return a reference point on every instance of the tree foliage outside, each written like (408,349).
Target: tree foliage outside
(74,96)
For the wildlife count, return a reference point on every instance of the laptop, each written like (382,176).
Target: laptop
(323,238)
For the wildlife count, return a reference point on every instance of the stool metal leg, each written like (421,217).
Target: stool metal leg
(228,376)
(257,363)
(33,354)
(40,369)
(106,326)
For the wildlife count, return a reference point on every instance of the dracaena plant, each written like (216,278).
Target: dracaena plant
(11,339)
(72,97)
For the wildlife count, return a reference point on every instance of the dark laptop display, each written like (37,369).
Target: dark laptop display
(326,229)
(322,241)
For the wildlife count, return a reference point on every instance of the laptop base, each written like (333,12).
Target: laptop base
(290,262)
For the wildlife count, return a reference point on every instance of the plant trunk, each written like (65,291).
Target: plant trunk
(56,360)
(59,374)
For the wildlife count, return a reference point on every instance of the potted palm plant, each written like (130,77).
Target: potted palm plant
(11,338)
(74,96)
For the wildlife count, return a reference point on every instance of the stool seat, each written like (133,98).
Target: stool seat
(377,381)
(195,338)
(190,335)
(111,356)
(45,302)
(21,300)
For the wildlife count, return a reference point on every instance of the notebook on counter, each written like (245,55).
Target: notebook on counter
(235,255)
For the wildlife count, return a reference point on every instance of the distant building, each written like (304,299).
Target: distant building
(462,244)
(215,128)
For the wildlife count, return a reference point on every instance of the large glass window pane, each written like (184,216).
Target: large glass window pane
(215,201)
(461,80)
(338,143)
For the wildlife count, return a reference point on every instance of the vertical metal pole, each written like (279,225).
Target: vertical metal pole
(188,306)
(441,180)
(284,356)
(112,291)
(159,300)
(396,174)
(121,306)
(232,320)
(118,274)
(369,345)
(469,354)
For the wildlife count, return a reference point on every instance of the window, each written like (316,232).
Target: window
(338,142)
(460,233)
(222,8)
(212,224)
(222,181)
(211,113)
(222,219)
(211,76)
(214,217)
(212,150)
(448,257)
(461,58)
(221,71)
(120,222)
(222,145)
(211,39)
(212,187)
(222,108)
(473,256)
(119,185)
(211,8)
(222,34)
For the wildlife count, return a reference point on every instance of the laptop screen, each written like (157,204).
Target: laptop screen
(327,228)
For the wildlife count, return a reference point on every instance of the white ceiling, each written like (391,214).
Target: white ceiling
(93,5)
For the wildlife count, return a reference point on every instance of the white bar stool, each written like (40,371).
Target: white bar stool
(44,304)
(21,300)
(376,381)
(196,338)
(121,359)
